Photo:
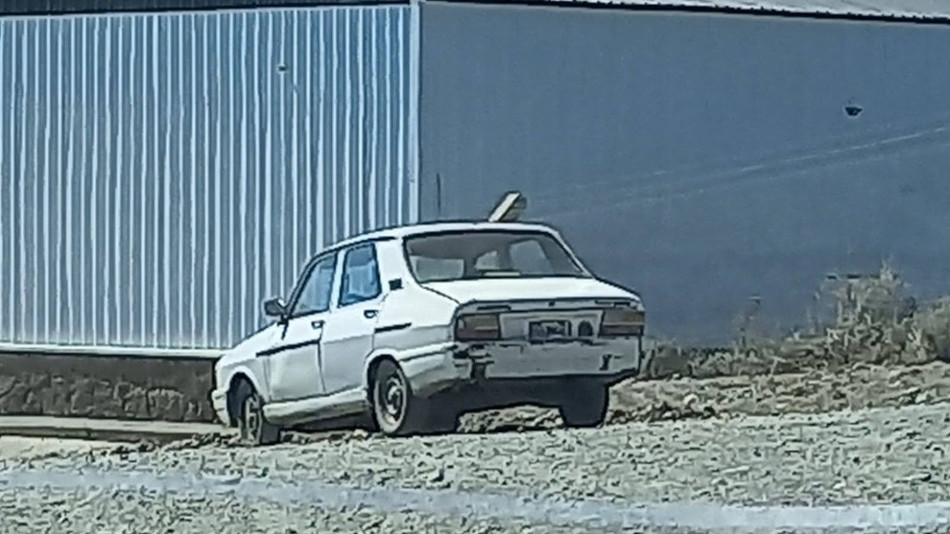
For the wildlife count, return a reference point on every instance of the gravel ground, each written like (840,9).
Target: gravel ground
(875,456)
(20,449)
(663,447)
(32,512)
(872,456)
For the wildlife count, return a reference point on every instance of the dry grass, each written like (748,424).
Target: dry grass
(872,321)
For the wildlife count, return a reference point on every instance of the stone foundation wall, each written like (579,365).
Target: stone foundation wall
(98,386)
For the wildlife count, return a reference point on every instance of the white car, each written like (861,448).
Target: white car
(416,325)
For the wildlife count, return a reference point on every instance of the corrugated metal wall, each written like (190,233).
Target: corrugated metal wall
(161,174)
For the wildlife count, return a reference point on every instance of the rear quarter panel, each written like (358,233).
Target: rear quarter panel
(411,317)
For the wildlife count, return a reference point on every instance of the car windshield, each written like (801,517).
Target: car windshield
(468,255)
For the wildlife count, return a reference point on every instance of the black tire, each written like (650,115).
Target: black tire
(399,412)
(253,428)
(586,407)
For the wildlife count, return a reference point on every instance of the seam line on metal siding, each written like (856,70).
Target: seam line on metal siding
(183,338)
(388,92)
(156,176)
(268,174)
(207,316)
(348,59)
(40,187)
(321,134)
(85,240)
(234,293)
(361,200)
(289,61)
(403,137)
(22,84)
(242,229)
(6,286)
(167,201)
(119,177)
(109,203)
(307,59)
(259,226)
(110,194)
(218,176)
(71,105)
(144,148)
(94,291)
(332,176)
(281,179)
(193,191)
(415,28)
(374,132)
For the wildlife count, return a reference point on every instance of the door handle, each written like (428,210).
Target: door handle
(370,314)
(316,325)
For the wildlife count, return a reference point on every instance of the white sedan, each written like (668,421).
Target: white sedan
(418,324)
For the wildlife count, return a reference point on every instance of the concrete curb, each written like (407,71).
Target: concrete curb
(104,429)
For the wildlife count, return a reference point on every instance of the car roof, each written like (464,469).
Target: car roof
(400,232)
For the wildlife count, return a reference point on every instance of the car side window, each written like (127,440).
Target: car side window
(317,290)
(360,275)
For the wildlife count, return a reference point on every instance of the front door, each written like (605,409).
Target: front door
(294,362)
(348,335)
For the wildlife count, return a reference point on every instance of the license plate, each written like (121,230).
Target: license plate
(545,330)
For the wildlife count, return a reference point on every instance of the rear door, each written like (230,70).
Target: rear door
(348,338)
(294,362)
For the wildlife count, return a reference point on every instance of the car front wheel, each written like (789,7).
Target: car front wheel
(586,407)
(252,425)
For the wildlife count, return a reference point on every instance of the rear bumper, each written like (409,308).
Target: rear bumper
(219,402)
(521,368)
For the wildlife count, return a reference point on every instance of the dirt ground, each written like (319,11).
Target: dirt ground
(868,435)
(15,448)
(854,387)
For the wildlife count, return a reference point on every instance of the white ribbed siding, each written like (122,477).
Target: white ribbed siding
(161,174)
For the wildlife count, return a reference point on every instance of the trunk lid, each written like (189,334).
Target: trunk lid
(511,290)
(539,309)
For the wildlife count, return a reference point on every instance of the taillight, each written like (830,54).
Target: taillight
(622,322)
(478,327)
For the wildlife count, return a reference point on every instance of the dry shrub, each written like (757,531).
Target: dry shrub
(872,321)
(934,324)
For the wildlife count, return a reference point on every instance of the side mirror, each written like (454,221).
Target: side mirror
(275,307)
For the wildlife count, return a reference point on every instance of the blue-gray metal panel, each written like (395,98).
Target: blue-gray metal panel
(162,174)
(710,161)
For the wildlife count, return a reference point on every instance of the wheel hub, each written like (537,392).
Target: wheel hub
(252,416)
(394,398)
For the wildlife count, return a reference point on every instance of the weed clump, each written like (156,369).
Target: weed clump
(859,319)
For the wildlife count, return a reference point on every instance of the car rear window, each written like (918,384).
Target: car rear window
(468,255)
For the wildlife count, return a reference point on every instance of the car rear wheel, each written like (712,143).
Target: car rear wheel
(252,425)
(398,412)
(586,407)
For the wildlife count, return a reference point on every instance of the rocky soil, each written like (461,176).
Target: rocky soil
(684,440)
